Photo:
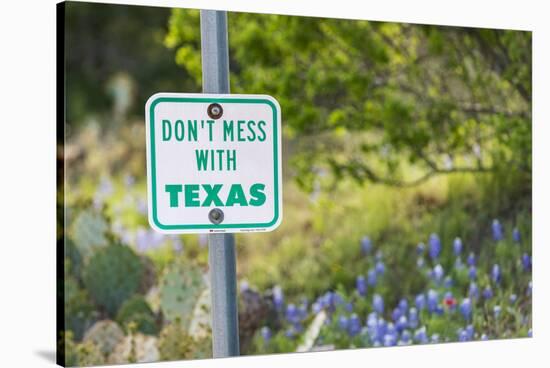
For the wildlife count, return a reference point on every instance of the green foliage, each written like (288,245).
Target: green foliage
(112,275)
(127,39)
(137,310)
(368,99)
(180,288)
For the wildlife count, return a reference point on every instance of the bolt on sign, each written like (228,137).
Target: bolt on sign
(213,162)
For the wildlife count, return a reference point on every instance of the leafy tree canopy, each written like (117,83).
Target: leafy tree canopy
(384,102)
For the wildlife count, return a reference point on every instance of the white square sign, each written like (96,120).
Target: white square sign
(213,162)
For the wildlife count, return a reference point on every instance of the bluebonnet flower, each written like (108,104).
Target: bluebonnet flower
(433,300)
(516,235)
(487,292)
(266,333)
(337,298)
(405,338)
(403,305)
(457,246)
(354,326)
(396,314)
(420,249)
(448,282)
(379,268)
(378,304)
(390,329)
(473,291)
(349,307)
(413,318)
(434,339)
(382,327)
(435,246)
(366,245)
(470,332)
(496,310)
(401,323)
(371,277)
(343,322)
(420,301)
(438,273)
(278,297)
(497,230)
(526,262)
(420,335)
(390,340)
(484,337)
(462,335)
(472,273)
(495,273)
(466,308)
(471,259)
(513,298)
(331,299)
(292,315)
(316,307)
(530,333)
(361,285)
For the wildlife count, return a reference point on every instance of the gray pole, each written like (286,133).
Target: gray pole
(221,247)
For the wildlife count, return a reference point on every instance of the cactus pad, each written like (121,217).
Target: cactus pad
(112,275)
(88,231)
(180,288)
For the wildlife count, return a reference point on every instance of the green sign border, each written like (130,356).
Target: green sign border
(152,153)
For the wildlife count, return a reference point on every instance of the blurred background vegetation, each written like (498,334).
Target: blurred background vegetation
(390,131)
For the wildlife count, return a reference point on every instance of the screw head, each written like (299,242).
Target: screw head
(215,111)
(215,216)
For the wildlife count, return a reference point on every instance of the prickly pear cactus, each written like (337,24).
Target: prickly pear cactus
(112,275)
(180,288)
(79,310)
(137,310)
(88,231)
(105,335)
(175,344)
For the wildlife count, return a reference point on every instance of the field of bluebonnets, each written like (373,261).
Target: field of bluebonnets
(407,187)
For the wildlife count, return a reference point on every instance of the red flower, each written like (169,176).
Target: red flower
(449,302)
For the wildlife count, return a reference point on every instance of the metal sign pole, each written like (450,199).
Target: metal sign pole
(221,247)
